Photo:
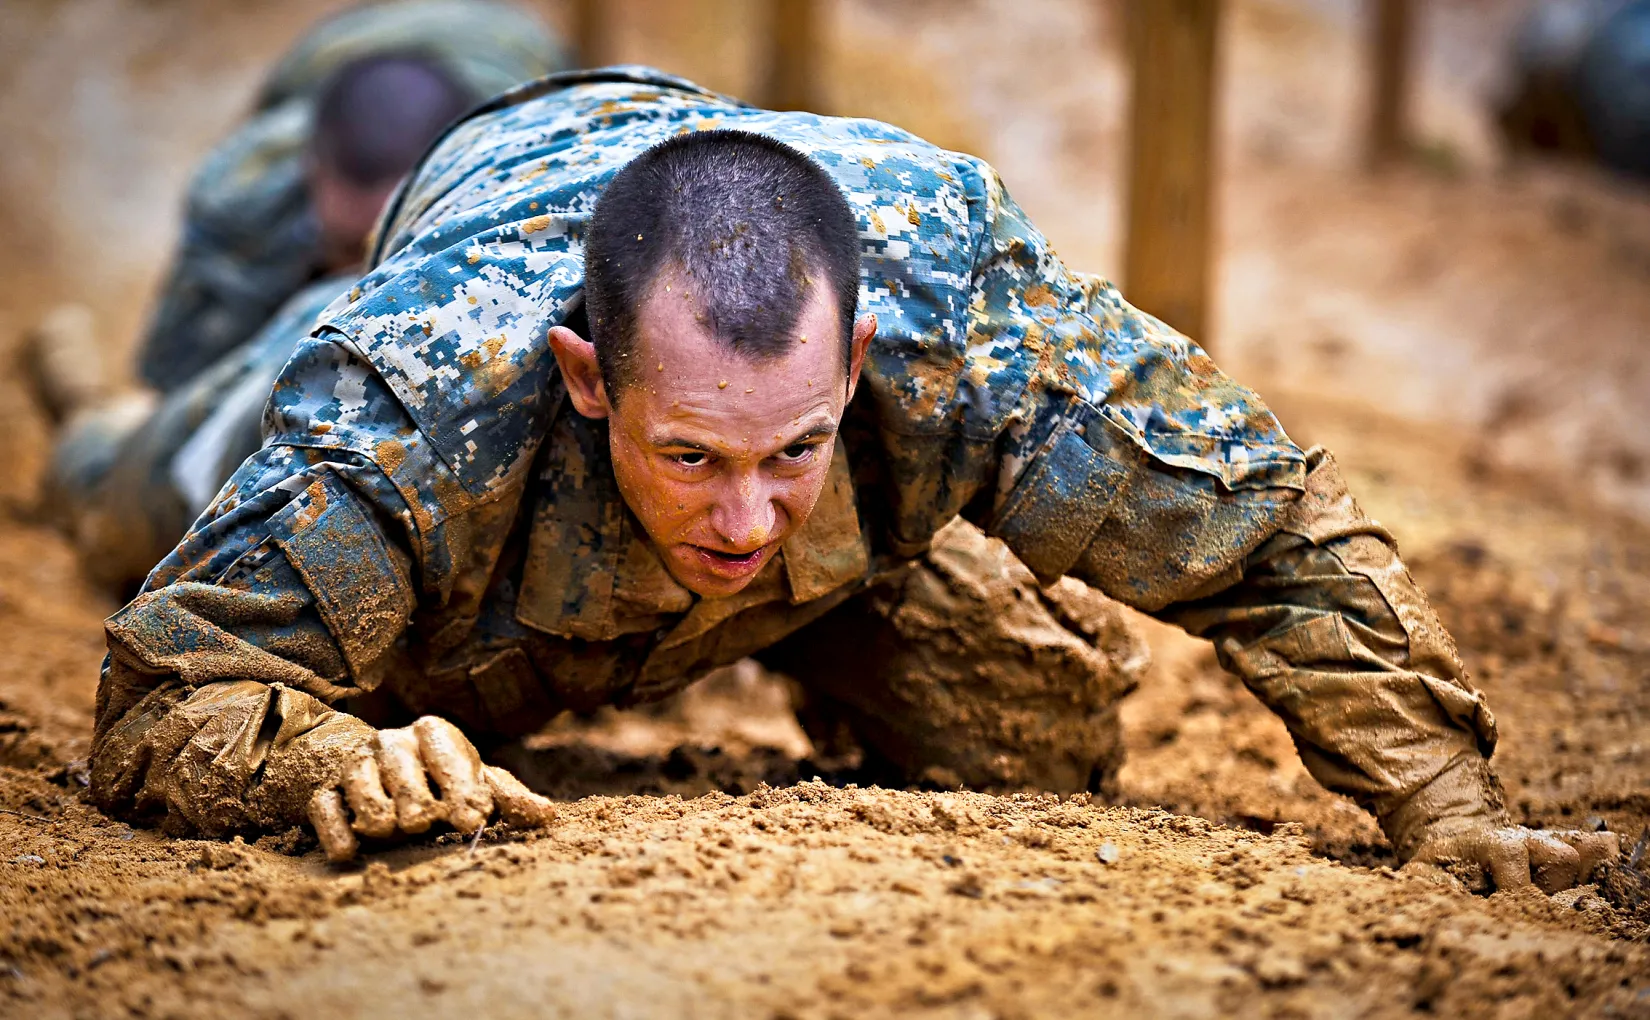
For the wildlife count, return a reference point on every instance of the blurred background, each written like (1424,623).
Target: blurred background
(1493,299)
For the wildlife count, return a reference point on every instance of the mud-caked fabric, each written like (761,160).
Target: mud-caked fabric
(226,757)
(958,669)
(250,239)
(439,526)
(1327,627)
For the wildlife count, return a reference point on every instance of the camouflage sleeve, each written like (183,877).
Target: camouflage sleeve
(1131,462)
(285,597)
(1326,626)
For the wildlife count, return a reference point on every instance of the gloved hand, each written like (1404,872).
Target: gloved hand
(384,790)
(1513,856)
(1457,825)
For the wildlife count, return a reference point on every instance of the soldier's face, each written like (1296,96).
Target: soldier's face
(346,213)
(721,459)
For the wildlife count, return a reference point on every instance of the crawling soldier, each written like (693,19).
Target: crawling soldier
(275,227)
(644,381)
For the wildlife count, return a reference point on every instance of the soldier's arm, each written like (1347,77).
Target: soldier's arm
(215,708)
(1132,463)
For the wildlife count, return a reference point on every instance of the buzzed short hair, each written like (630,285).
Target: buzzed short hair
(375,116)
(748,222)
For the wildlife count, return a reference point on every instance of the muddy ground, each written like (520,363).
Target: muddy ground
(1468,336)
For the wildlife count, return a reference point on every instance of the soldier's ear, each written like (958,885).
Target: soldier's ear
(865,330)
(581,372)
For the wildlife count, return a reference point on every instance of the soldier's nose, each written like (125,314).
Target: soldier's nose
(748,521)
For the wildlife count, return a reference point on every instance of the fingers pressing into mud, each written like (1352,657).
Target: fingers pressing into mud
(326,813)
(364,795)
(1503,853)
(402,767)
(455,766)
(409,779)
(1515,857)
(517,804)
(1593,848)
(1555,865)
(1553,860)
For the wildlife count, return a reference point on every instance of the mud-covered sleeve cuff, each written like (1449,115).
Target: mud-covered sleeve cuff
(208,682)
(229,757)
(1465,794)
(1327,628)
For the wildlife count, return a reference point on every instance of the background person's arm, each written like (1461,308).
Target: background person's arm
(250,241)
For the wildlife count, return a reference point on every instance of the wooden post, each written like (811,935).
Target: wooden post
(793,55)
(593,32)
(1166,262)
(1389,86)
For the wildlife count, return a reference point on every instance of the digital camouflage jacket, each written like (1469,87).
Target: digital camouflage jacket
(429,519)
(250,240)
(128,489)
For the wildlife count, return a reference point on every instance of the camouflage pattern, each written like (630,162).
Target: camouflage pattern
(128,485)
(429,521)
(250,239)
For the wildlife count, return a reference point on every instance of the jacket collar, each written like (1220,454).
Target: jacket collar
(590,572)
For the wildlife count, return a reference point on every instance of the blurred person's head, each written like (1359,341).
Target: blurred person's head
(373,120)
(721,283)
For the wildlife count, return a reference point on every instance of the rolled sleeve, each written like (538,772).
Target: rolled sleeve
(1329,630)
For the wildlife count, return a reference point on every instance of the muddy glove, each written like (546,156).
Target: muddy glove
(385,790)
(1457,825)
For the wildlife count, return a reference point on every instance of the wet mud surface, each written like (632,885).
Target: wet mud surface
(698,867)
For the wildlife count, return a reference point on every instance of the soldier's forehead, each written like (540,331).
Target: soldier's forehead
(675,340)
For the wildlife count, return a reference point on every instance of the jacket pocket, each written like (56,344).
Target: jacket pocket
(1066,492)
(360,586)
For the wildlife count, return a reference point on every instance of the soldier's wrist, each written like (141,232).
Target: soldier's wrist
(1465,795)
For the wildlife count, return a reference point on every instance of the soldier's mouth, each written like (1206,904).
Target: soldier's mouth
(730,564)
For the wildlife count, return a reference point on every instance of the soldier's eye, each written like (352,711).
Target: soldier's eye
(691,458)
(796,452)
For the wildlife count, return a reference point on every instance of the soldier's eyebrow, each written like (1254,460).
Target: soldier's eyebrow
(818,432)
(677,442)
